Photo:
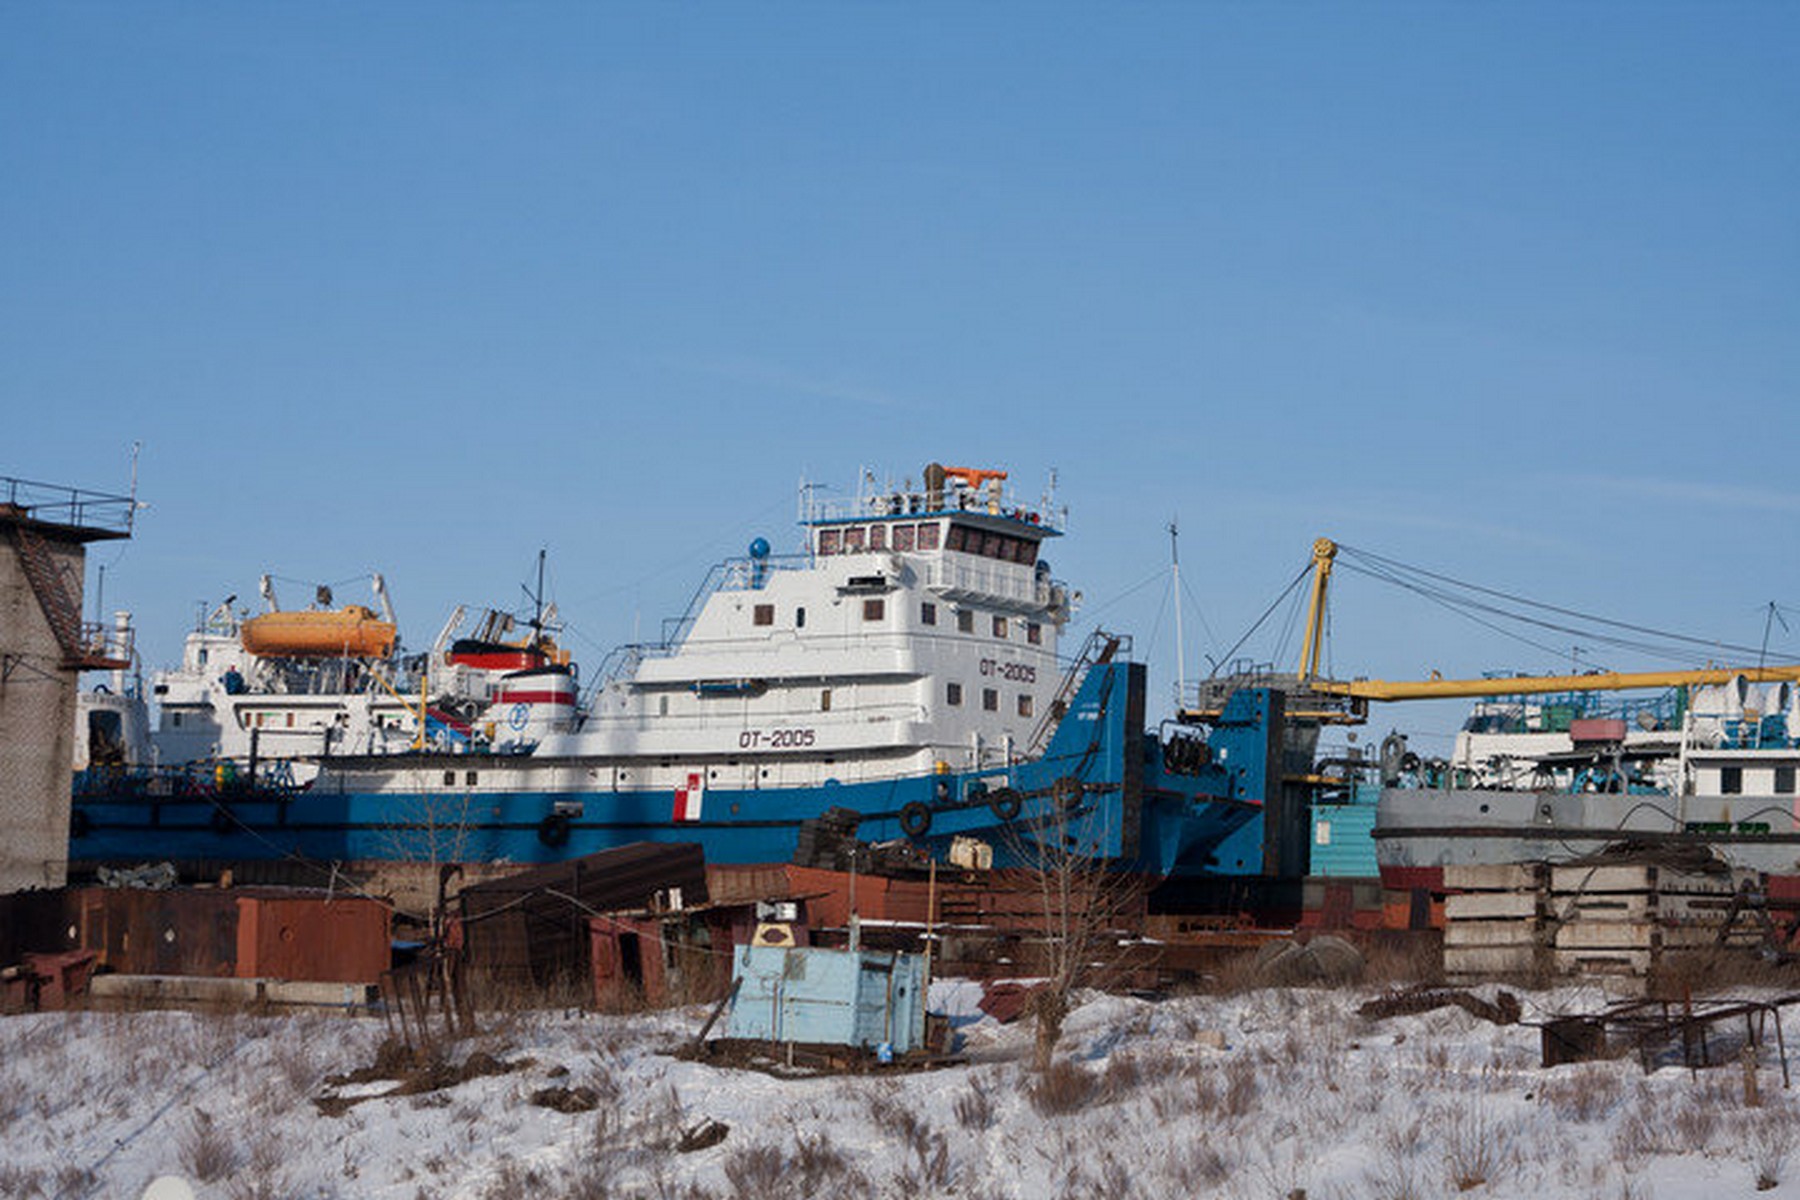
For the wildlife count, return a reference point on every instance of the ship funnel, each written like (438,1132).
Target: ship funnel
(934,486)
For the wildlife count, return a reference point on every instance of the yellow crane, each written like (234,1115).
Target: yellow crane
(1439,688)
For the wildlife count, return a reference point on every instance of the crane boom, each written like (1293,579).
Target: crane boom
(1517,685)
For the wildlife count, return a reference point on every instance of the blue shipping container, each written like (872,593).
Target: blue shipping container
(829,997)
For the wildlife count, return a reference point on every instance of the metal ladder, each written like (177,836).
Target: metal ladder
(1100,647)
(46,580)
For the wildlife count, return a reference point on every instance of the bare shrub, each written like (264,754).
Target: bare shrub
(975,1108)
(1198,1168)
(1474,1149)
(1586,1094)
(204,1150)
(757,1172)
(928,1151)
(20,1182)
(1242,1087)
(264,1177)
(1771,1145)
(1063,1088)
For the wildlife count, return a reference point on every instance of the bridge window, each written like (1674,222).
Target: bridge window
(903,537)
(928,613)
(831,541)
(855,538)
(1731,780)
(764,614)
(953,694)
(928,535)
(878,537)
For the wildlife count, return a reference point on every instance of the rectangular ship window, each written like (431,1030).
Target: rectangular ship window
(955,538)
(1024,705)
(878,537)
(830,541)
(1034,633)
(449,778)
(903,537)
(928,613)
(855,538)
(928,535)
(965,621)
(799,618)
(825,700)
(1731,780)
(999,627)
(1784,781)
(470,778)
(990,700)
(764,614)
(874,610)
(953,693)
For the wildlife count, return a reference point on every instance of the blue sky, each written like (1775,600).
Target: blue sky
(1508,291)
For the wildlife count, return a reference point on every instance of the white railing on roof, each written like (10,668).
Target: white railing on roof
(957,497)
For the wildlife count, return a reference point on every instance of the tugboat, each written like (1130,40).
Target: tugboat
(898,676)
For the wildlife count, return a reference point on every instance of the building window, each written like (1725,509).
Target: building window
(928,613)
(953,693)
(928,535)
(990,700)
(999,627)
(1034,633)
(1024,705)
(1731,780)
(965,621)
(764,614)
(825,700)
(1784,781)
(799,618)
(831,541)
(875,609)
(903,537)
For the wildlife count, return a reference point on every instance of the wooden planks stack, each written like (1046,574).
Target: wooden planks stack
(1624,920)
(1497,920)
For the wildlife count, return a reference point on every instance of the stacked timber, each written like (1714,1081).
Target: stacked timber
(1627,919)
(1496,920)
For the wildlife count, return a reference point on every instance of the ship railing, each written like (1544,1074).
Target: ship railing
(731,575)
(1018,585)
(58,504)
(897,502)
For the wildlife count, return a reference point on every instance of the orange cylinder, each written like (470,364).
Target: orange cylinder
(352,631)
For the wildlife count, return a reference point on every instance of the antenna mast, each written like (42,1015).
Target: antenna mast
(1180,653)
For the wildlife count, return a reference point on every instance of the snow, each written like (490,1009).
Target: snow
(1304,1094)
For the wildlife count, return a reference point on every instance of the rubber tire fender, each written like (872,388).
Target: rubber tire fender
(1005,803)
(915,819)
(553,830)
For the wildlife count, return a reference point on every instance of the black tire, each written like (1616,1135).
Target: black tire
(1005,803)
(915,819)
(553,830)
(1066,792)
(80,824)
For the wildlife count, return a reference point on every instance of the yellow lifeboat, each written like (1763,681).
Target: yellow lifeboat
(352,631)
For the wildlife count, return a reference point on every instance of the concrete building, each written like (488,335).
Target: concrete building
(44,647)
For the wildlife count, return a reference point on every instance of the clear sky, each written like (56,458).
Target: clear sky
(1509,291)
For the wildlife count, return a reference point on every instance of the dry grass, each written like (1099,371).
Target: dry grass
(1061,1089)
(205,1151)
(1585,1094)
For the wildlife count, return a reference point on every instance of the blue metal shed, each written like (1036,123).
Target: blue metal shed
(831,997)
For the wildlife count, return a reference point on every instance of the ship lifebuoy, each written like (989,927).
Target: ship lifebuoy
(80,824)
(1005,803)
(223,819)
(553,830)
(1066,792)
(915,819)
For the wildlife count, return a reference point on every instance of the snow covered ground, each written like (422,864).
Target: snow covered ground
(1303,1094)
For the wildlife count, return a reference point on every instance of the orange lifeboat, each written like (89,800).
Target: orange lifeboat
(352,631)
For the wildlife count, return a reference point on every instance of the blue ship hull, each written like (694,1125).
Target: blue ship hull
(1102,785)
